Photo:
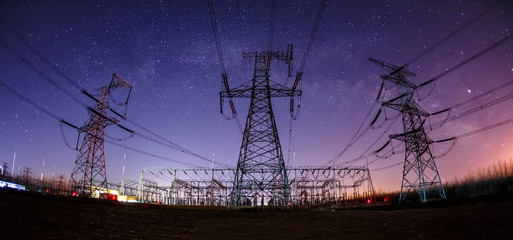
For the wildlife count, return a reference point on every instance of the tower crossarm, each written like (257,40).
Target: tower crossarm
(397,75)
(399,79)
(261,84)
(274,92)
(393,69)
(120,82)
(411,109)
(414,134)
(270,55)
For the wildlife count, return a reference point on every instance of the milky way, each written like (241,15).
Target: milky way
(167,51)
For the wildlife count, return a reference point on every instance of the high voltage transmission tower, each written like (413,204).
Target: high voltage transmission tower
(261,176)
(419,170)
(89,176)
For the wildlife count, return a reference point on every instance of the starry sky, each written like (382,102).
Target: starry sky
(167,51)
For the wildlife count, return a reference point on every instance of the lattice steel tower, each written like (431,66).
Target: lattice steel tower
(261,177)
(89,174)
(419,170)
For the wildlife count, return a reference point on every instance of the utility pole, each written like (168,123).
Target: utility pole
(261,172)
(27,173)
(5,168)
(89,174)
(42,170)
(212,182)
(419,170)
(13,161)
(123,176)
(60,185)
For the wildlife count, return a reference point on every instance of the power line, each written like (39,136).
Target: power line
(317,22)
(355,138)
(474,19)
(271,28)
(38,54)
(458,116)
(489,127)
(224,74)
(496,125)
(26,99)
(394,119)
(148,154)
(216,35)
(56,85)
(485,93)
(501,41)
(38,72)
(454,32)
(466,112)
(82,103)
(167,179)
(473,110)
(54,116)
(468,60)
(312,35)
(299,74)
(182,121)
(387,167)
(176,147)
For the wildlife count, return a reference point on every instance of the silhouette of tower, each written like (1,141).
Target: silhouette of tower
(89,174)
(419,170)
(261,177)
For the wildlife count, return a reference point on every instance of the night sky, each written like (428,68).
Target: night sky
(167,51)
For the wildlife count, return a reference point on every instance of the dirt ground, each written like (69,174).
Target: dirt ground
(28,216)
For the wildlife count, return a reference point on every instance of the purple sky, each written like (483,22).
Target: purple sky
(167,51)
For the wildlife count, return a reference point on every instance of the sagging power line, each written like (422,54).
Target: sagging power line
(62,121)
(48,79)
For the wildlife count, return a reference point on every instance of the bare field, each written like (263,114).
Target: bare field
(27,216)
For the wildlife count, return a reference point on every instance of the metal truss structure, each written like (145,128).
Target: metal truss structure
(419,170)
(260,176)
(89,173)
(189,186)
(150,191)
(330,185)
(214,187)
(126,187)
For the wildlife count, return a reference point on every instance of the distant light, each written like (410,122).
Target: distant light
(368,200)
(469,91)
(4,184)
